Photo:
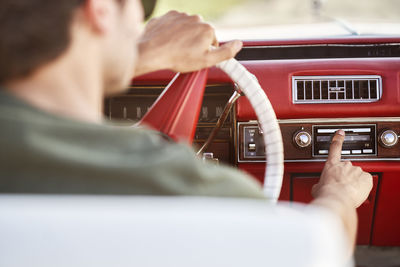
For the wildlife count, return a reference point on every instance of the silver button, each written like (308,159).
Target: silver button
(367,151)
(345,152)
(252,147)
(388,138)
(302,139)
(356,151)
(323,152)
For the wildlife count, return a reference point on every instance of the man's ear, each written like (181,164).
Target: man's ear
(100,14)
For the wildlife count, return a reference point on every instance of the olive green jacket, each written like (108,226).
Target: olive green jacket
(45,153)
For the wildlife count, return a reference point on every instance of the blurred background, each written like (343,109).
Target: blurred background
(365,16)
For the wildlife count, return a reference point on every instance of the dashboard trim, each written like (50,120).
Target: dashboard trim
(339,120)
(316,121)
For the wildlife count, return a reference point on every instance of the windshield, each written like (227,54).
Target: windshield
(254,19)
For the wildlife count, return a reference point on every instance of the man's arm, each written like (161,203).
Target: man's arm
(342,187)
(179,42)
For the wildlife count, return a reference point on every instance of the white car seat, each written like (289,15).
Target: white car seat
(85,231)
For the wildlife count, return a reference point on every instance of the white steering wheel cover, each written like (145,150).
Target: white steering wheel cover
(250,86)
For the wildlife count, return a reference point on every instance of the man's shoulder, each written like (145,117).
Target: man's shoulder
(74,156)
(26,128)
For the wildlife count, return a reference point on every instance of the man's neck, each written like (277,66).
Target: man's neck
(64,89)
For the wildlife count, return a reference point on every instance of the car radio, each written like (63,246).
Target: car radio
(309,139)
(360,140)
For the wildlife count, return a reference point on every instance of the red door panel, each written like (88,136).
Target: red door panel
(301,192)
(387,215)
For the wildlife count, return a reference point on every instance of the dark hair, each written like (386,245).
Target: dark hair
(33,32)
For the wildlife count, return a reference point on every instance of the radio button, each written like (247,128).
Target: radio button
(323,152)
(356,151)
(368,151)
(252,147)
(345,152)
(388,138)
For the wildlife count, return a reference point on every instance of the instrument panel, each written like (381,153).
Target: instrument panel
(131,107)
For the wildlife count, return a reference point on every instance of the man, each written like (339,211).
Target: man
(58,61)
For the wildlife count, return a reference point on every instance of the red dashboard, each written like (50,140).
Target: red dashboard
(341,67)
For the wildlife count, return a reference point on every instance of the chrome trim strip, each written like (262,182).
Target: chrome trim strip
(337,120)
(355,130)
(323,160)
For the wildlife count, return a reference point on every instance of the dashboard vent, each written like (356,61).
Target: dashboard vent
(336,89)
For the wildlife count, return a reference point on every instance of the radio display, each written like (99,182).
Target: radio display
(360,140)
(347,138)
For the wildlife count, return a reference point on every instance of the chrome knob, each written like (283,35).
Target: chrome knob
(389,138)
(302,139)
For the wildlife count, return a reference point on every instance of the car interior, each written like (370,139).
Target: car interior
(311,87)
(316,86)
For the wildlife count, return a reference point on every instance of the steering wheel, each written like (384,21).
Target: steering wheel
(176,113)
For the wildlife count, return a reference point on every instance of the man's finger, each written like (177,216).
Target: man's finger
(335,150)
(224,52)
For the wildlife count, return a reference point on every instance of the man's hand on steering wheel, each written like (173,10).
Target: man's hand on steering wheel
(181,43)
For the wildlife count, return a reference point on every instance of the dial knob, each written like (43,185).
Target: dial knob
(389,138)
(302,139)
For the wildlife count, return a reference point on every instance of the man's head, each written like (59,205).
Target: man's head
(36,33)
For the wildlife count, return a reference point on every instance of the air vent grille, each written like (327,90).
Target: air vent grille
(336,89)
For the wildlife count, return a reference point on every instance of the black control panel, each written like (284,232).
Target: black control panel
(253,145)
(360,140)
